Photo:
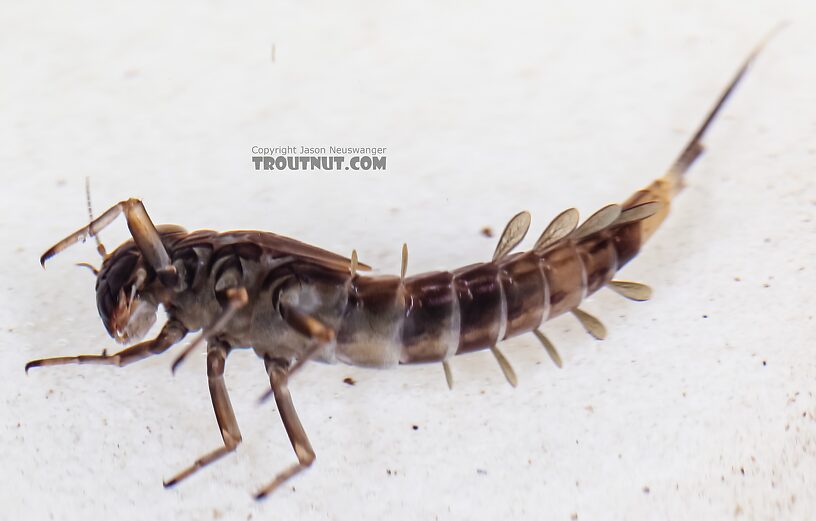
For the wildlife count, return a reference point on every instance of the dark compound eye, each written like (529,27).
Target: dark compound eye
(105,304)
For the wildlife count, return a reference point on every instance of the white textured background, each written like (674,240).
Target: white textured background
(699,405)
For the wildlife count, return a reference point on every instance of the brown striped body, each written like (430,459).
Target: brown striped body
(475,307)
(384,321)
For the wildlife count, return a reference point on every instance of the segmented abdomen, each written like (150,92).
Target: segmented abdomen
(433,316)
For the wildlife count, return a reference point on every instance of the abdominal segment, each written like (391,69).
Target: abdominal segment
(433,316)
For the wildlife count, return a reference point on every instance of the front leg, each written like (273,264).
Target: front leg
(141,228)
(172,332)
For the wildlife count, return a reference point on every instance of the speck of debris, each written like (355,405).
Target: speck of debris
(742,471)
(764,363)
(483,472)
(487,231)
(391,472)
(415,427)
(737,279)
(349,380)
(589,408)
(217,513)
(646,490)
(574,516)
(766,285)
(705,316)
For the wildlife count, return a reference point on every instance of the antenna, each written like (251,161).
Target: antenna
(99,246)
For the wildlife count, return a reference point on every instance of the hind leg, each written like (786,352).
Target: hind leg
(278,376)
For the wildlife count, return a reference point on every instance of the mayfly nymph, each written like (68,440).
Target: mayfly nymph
(292,302)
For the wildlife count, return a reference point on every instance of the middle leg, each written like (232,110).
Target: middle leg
(216,357)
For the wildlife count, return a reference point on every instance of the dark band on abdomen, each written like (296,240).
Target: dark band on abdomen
(480,305)
(525,292)
(370,332)
(564,272)
(431,329)
(600,261)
